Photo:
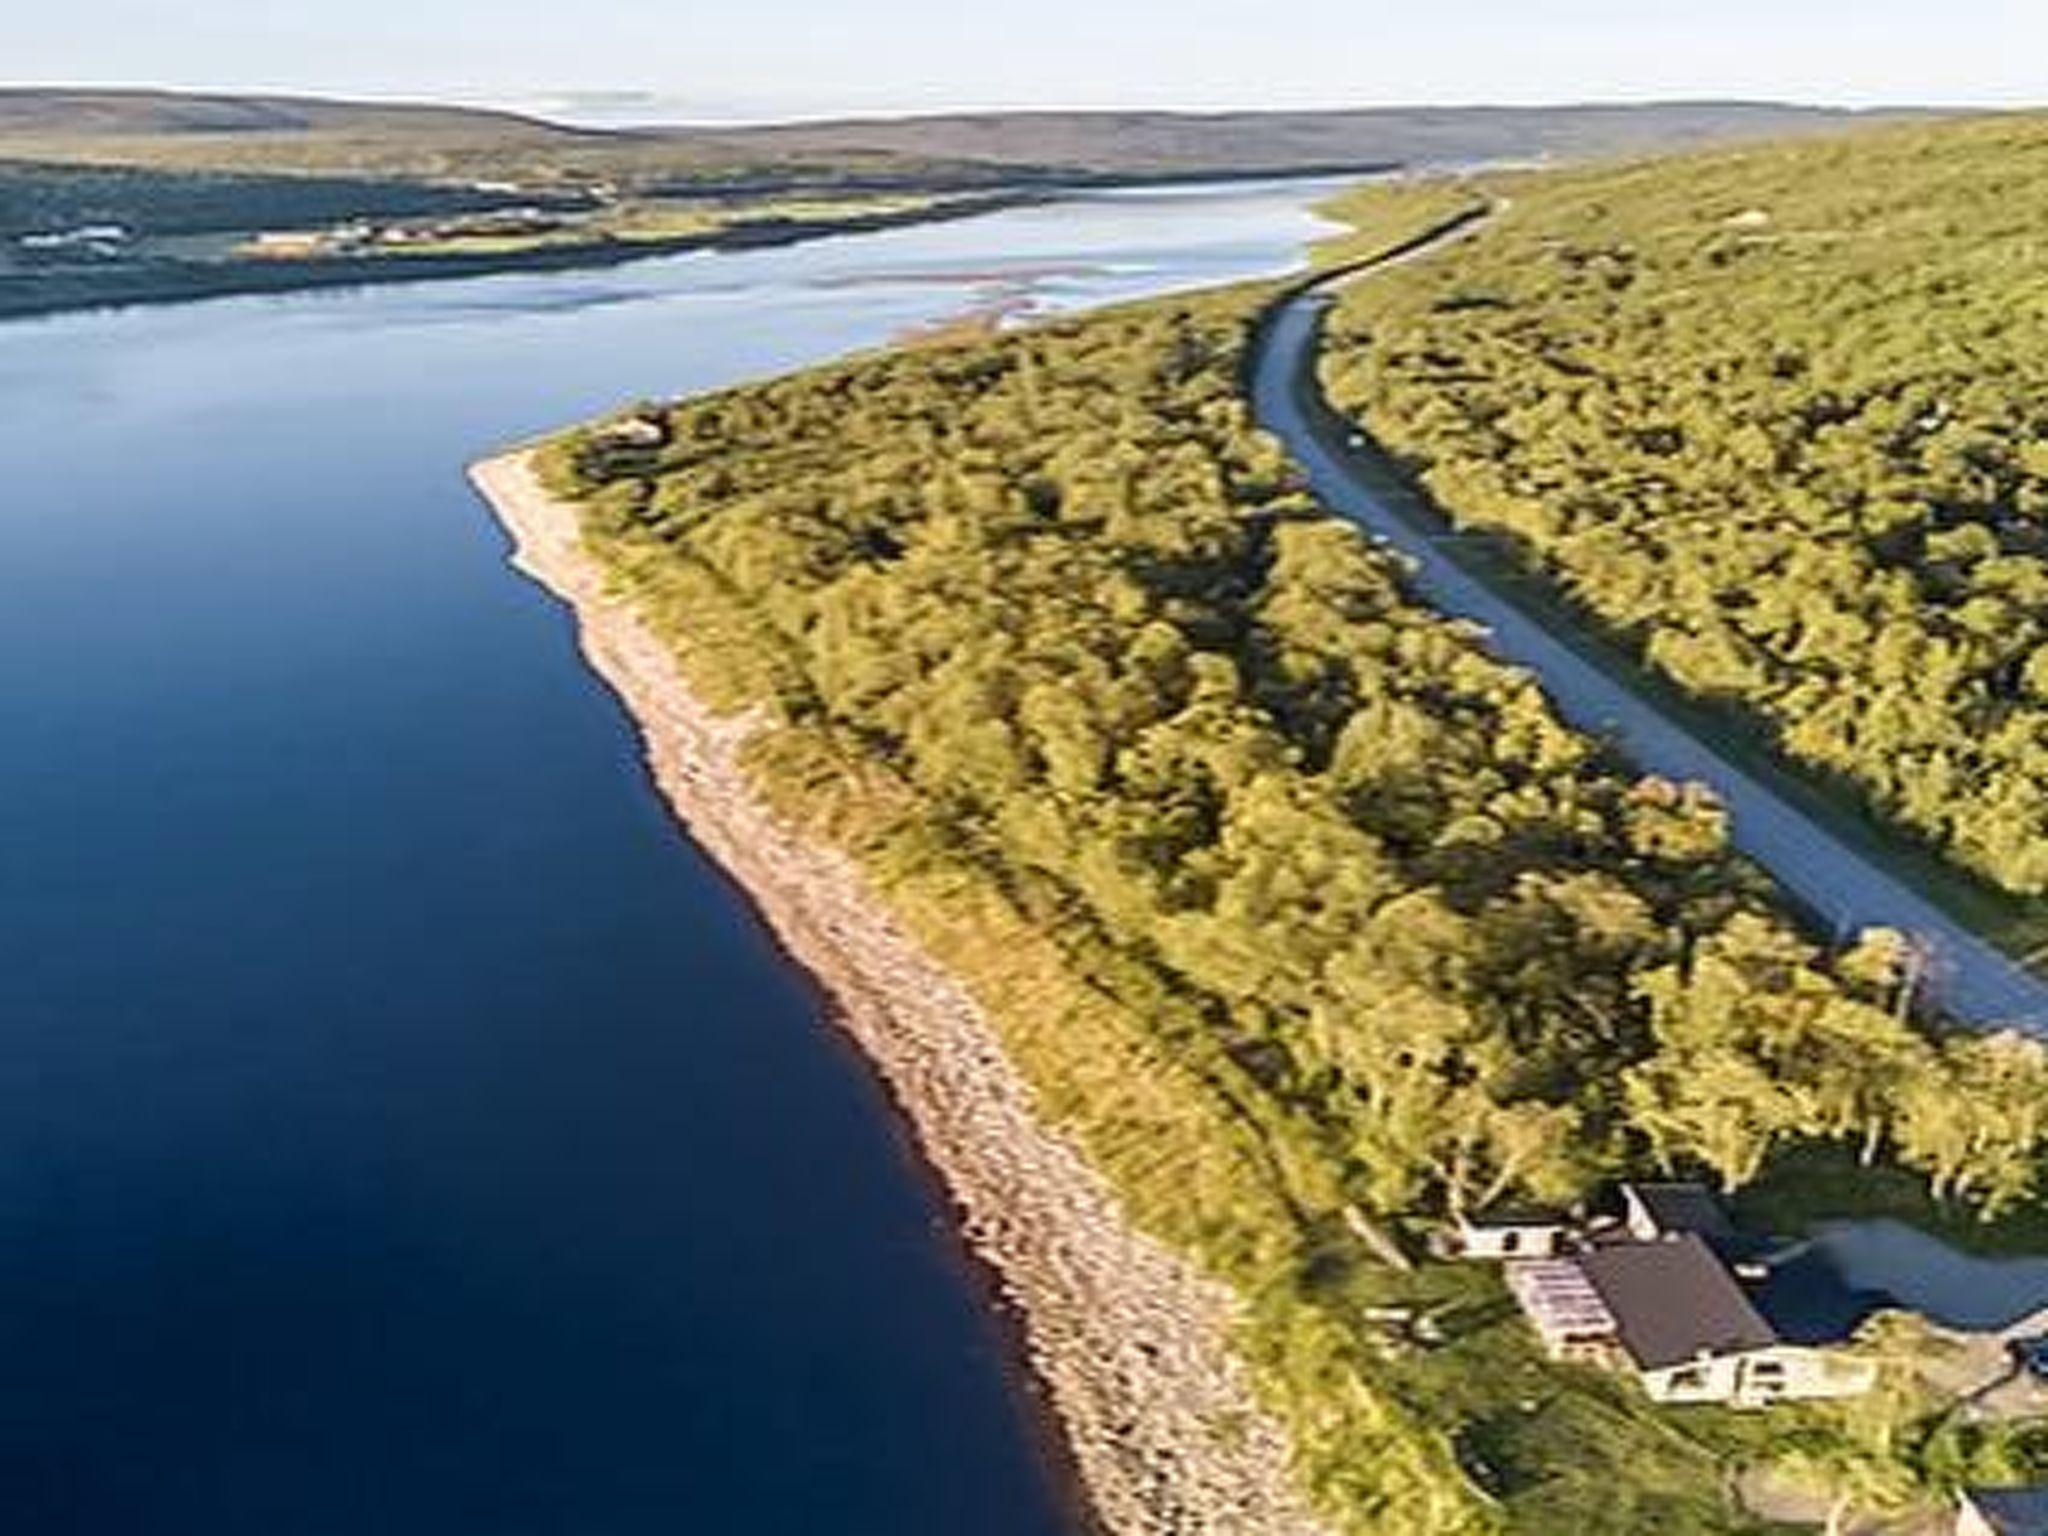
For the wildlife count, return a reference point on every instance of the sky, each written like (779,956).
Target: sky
(623,60)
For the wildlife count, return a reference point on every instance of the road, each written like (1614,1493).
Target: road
(1846,887)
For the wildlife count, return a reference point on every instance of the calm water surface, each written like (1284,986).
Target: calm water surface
(1919,1270)
(402,1129)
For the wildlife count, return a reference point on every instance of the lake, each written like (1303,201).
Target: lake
(402,1128)
(1918,1270)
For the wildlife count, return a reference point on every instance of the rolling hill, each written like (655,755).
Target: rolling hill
(176,130)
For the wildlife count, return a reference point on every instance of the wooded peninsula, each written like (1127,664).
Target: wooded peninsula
(1306,920)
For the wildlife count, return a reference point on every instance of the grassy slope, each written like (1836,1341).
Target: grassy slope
(771,543)
(1771,416)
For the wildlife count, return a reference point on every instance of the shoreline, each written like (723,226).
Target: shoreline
(1125,1342)
(147,285)
(251,277)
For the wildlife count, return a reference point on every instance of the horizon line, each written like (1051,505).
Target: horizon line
(533,103)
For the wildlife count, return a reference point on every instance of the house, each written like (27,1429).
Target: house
(287,243)
(639,430)
(1657,1288)
(1693,1335)
(1671,1311)
(2002,1512)
(1679,1317)
(1507,1234)
(1653,1211)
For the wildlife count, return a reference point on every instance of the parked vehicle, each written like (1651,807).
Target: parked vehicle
(2031,1355)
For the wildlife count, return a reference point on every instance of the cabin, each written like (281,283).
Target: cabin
(2002,1512)
(1671,1312)
(1645,1212)
(1507,1234)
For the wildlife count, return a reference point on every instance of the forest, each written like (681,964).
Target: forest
(1303,915)
(1774,419)
(191,235)
(38,198)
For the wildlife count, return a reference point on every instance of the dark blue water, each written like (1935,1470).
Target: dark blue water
(402,1129)
(1918,1270)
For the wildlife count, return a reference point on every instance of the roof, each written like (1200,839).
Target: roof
(2012,1511)
(1512,1216)
(1682,1208)
(1559,1299)
(1804,1297)
(1673,1302)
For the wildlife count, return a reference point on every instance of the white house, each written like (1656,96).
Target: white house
(1670,1311)
(1508,1234)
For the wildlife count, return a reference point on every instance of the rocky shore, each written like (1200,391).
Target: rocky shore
(1128,1340)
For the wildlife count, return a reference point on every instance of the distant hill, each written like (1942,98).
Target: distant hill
(1236,141)
(179,130)
(91,114)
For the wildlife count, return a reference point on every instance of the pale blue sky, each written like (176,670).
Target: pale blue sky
(749,57)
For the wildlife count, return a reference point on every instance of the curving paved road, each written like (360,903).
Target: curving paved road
(1848,889)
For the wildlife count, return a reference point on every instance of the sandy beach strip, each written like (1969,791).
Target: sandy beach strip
(1128,1340)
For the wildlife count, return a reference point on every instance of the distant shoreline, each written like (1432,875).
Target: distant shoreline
(116,287)
(186,283)
(1129,1343)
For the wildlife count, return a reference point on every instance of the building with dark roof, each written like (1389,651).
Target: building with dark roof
(1671,1311)
(1651,1211)
(2003,1512)
(1674,1302)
